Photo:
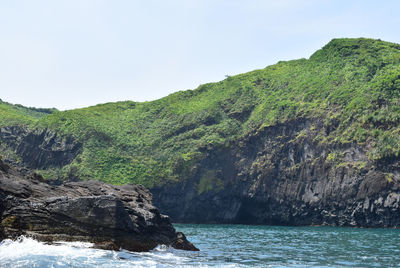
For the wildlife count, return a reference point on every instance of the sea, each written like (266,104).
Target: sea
(225,246)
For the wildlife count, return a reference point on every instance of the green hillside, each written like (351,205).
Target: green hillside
(353,84)
(17,114)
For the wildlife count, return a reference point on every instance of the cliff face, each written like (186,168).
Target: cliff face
(308,141)
(39,148)
(283,174)
(286,175)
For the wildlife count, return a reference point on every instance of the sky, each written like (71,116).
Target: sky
(77,53)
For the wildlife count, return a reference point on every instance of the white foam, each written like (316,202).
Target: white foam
(27,252)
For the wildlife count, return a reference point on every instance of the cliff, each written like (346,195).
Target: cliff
(284,175)
(308,141)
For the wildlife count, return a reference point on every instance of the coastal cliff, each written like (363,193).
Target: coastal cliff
(304,142)
(284,175)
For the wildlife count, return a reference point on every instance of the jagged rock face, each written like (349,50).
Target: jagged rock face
(40,148)
(112,217)
(285,175)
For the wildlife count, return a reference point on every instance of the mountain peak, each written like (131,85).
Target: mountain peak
(346,47)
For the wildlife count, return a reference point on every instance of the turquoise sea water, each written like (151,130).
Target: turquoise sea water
(227,246)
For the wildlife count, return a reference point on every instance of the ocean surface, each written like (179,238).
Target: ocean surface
(226,246)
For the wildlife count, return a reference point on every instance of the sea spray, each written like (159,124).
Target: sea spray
(225,246)
(27,252)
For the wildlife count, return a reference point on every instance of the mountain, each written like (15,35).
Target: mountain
(308,141)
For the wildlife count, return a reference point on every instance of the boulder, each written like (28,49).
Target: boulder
(111,217)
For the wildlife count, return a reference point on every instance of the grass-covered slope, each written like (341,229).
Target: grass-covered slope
(353,84)
(17,114)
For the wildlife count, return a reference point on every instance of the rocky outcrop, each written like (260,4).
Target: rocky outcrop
(39,148)
(111,217)
(287,175)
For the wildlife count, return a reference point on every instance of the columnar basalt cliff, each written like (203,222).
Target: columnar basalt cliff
(305,142)
(284,175)
(111,217)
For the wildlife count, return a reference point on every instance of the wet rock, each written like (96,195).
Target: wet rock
(111,217)
(181,242)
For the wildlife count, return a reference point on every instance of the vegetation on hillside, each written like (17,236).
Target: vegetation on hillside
(17,114)
(353,84)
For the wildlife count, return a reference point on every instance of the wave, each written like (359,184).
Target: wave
(27,252)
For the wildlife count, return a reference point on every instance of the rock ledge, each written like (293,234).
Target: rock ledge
(111,217)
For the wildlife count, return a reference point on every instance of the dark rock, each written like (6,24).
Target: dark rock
(284,175)
(111,217)
(39,148)
(181,242)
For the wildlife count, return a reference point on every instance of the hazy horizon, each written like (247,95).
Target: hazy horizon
(73,54)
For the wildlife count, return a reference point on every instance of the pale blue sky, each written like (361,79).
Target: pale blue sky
(76,53)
